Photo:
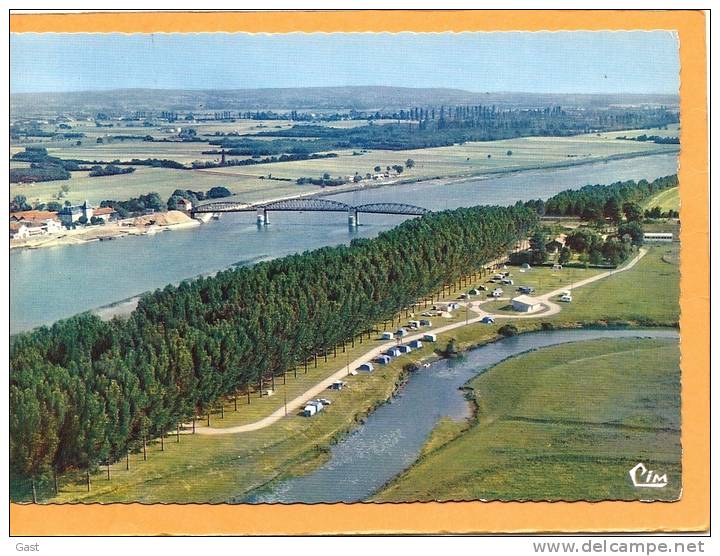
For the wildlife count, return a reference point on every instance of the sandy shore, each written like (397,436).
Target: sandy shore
(131,227)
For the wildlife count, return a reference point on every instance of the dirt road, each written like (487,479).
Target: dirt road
(300,401)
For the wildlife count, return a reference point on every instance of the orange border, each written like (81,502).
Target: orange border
(691,513)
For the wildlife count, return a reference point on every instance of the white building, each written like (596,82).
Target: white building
(657,236)
(526,304)
(184,205)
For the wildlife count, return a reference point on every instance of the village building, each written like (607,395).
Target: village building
(19,230)
(71,214)
(556,244)
(30,223)
(25,215)
(184,205)
(104,213)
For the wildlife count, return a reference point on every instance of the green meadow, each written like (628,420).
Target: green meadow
(561,423)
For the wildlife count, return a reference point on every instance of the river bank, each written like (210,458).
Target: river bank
(296,445)
(118,270)
(143,225)
(126,228)
(580,412)
(373,448)
(486,174)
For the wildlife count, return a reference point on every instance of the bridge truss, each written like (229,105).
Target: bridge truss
(311,205)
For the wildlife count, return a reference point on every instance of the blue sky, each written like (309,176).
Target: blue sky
(558,62)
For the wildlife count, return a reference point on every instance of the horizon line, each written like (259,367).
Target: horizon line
(192,89)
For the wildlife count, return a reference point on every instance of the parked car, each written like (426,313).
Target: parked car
(526,289)
(567,298)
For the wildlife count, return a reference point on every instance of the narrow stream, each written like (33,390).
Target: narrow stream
(393,435)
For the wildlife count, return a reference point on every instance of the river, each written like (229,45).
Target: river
(391,438)
(57,282)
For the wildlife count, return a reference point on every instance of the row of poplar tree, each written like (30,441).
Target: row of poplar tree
(85,391)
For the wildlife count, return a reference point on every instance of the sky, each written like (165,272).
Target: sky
(539,62)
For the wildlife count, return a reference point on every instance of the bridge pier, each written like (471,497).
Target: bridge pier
(262,217)
(353,218)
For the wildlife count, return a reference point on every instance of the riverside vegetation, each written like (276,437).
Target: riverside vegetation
(85,391)
(90,391)
(561,423)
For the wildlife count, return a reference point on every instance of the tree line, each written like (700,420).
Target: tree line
(85,391)
(594,202)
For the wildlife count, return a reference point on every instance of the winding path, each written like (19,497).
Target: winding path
(322,386)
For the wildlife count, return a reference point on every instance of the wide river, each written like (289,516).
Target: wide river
(393,435)
(52,283)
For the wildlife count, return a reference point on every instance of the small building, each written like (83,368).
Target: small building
(526,304)
(430,337)
(414,324)
(104,213)
(415,344)
(383,359)
(337,385)
(184,205)
(404,348)
(393,352)
(366,368)
(657,236)
(19,230)
(386,336)
(556,244)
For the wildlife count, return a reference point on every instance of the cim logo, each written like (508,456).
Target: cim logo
(647,478)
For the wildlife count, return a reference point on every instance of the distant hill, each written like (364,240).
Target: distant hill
(308,98)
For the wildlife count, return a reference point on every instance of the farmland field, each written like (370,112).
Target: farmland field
(457,160)
(144,180)
(462,160)
(561,423)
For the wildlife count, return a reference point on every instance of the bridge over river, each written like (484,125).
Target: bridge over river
(310,205)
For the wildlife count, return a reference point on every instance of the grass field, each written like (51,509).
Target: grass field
(647,294)
(467,159)
(666,200)
(160,180)
(457,160)
(562,423)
